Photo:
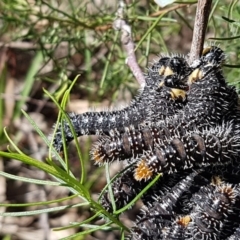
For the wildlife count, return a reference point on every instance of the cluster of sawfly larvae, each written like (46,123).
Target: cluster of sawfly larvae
(199,206)
(164,94)
(185,125)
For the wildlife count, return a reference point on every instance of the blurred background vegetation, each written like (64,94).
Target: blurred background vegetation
(46,44)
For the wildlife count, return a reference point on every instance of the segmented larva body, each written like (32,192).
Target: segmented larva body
(163,95)
(160,214)
(184,205)
(124,146)
(161,151)
(214,214)
(210,102)
(126,187)
(214,146)
(177,229)
(164,185)
(210,98)
(213,207)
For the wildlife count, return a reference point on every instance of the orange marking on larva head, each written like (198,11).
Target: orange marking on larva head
(177,93)
(97,157)
(168,71)
(143,171)
(162,83)
(195,76)
(206,50)
(184,221)
(161,71)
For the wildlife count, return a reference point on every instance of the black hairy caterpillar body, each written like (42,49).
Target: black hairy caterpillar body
(160,213)
(214,215)
(177,229)
(184,204)
(210,102)
(163,95)
(126,187)
(229,173)
(163,186)
(213,206)
(209,94)
(164,150)
(214,146)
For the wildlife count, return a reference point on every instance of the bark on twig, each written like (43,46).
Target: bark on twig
(201,20)
(128,44)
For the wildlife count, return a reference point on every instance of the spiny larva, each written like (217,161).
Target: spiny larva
(163,95)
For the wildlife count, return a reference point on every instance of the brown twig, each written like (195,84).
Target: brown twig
(201,20)
(127,42)
(170,9)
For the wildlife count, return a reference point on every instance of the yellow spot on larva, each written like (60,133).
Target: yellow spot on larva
(195,75)
(206,50)
(161,70)
(184,221)
(165,71)
(143,171)
(161,84)
(168,71)
(96,156)
(177,93)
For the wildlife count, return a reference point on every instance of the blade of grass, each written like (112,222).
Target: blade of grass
(94,228)
(225,39)
(39,203)
(149,30)
(110,191)
(96,215)
(66,117)
(31,180)
(68,180)
(37,212)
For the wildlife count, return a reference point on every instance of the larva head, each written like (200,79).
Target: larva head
(171,72)
(213,55)
(104,151)
(98,155)
(211,60)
